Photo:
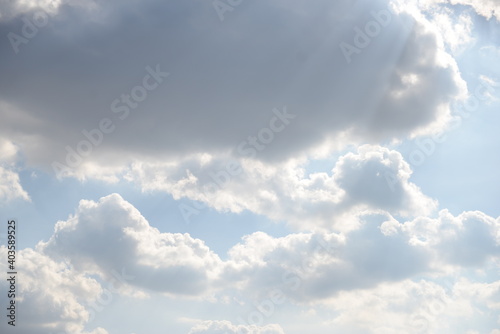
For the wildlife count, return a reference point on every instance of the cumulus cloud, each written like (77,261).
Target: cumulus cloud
(375,269)
(225,327)
(8,151)
(212,114)
(51,297)
(379,178)
(314,267)
(414,307)
(404,76)
(10,185)
(455,30)
(372,179)
(486,8)
(111,235)
(479,232)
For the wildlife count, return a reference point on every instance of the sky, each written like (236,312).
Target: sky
(250,167)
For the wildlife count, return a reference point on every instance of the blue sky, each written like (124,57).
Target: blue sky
(251,167)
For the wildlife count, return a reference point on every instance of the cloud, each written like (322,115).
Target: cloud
(10,185)
(111,235)
(234,125)
(12,9)
(225,327)
(449,234)
(406,80)
(379,178)
(34,11)
(375,269)
(314,267)
(8,151)
(486,8)
(50,295)
(392,308)
(415,307)
(455,29)
(372,179)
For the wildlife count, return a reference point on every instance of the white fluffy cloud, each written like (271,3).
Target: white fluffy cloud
(365,274)
(8,151)
(379,178)
(51,297)
(314,267)
(451,22)
(470,239)
(453,29)
(10,185)
(111,235)
(416,307)
(225,327)
(372,179)
(487,8)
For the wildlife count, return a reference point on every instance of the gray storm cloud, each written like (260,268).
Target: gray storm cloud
(85,65)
